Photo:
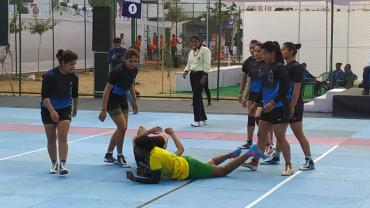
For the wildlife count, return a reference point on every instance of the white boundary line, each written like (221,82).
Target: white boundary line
(70,142)
(272,190)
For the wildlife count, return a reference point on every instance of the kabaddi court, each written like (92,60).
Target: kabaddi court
(340,147)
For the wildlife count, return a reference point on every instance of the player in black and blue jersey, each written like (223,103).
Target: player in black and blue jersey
(273,94)
(59,103)
(114,102)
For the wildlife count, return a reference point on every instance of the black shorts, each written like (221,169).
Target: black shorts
(298,113)
(117,106)
(253,96)
(64,114)
(276,116)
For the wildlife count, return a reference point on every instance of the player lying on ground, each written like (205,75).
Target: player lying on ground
(167,165)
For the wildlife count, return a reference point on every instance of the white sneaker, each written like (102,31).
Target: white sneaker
(62,169)
(54,168)
(121,160)
(203,123)
(195,124)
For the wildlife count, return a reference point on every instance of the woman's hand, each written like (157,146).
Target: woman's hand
(185,74)
(102,115)
(268,108)
(54,116)
(130,176)
(74,112)
(169,131)
(135,108)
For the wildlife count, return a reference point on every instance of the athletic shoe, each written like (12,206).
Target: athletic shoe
(62,169)
(269,151)
(309,165)
(108,158)
(252,165)
(255,151)
(54,168)
(195,124)
(203,123)
(247,145)
(275,160)
(236,153)
(288,170)
(122,161)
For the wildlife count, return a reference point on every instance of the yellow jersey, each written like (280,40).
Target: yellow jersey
(171,166)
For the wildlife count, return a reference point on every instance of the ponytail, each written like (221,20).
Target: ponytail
(66,56)
(293,47)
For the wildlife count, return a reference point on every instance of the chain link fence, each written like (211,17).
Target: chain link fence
(162,62)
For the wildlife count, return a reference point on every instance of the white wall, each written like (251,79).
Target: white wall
(283,27)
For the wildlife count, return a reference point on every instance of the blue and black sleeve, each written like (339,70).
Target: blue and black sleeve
(284,84)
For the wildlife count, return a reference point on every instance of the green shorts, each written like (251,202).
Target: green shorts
(199,169)
(117,111)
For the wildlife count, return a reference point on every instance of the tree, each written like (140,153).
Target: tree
(20,7)
(13,27)
(174,13)
(39,27)
(226,13)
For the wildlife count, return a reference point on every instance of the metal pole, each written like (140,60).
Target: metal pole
(15,41)
(114,7)
(159,46)
(147,29)
(239,47)
(348,22)
(332,37)
(85,44)
(208,34)
(53,34)
(20,49)
(193,17)
(219,50)
(133,32)
(176,17)
(158,34)
(326,37)
(299,25)
(332,40)
(208,41)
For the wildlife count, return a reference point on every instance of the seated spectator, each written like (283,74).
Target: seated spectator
(348,77)
(336,75)
(366,80)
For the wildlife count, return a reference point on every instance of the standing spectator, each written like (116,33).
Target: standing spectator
(123,41)
(116,54)
(138,43)
(179,48)
(199,64)
(173,44)
(155,43)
